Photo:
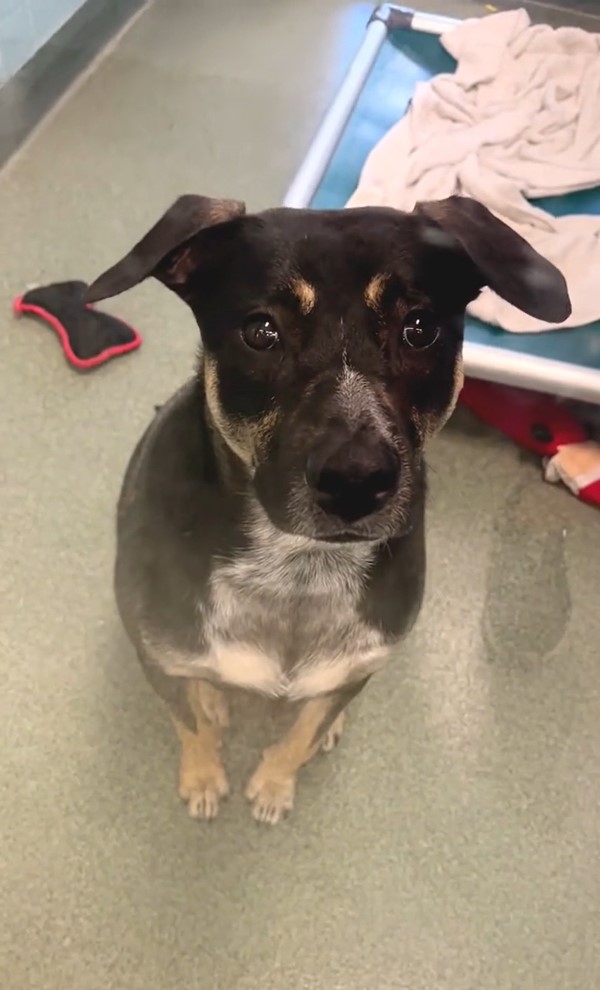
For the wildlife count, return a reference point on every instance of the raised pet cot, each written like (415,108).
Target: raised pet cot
(401,48)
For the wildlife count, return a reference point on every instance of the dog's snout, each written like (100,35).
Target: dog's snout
(353,475)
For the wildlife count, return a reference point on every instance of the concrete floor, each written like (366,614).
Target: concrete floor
(453,841)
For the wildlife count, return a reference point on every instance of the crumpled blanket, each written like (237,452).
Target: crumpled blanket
(518,119)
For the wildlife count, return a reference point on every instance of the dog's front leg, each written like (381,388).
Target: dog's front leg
(202,779)
(199,713)
(318,726)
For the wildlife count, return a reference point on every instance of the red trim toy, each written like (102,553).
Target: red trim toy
(88,337)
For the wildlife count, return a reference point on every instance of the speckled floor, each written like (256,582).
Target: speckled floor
(453,840)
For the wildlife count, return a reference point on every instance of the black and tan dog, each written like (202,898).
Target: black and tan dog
(271,522)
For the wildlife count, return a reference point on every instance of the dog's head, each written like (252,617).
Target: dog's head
(332,341)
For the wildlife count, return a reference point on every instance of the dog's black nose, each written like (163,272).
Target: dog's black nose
(353,476)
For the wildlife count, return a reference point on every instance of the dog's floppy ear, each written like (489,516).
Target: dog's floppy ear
(165,252)
(505,261)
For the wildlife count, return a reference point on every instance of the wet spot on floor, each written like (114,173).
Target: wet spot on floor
(528,601)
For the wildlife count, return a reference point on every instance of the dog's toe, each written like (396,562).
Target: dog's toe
(204,794)
(272,798)
(334,734)
(203,805)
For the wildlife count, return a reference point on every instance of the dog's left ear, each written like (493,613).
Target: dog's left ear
(166,252)
(504,260)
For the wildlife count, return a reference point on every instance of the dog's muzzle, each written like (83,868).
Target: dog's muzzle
(352,474)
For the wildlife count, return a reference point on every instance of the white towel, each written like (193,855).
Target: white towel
(519,118)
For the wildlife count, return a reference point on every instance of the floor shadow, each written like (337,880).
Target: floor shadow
(528,601)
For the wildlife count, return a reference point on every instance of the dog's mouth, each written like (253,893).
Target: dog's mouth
(345,537)
(375,530)
(348,537)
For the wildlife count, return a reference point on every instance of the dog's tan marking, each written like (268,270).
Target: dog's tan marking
(334,734)
(246,438)
(263,430)
(428,424)
(305,294)
(233,433)
(212,702)
(459,380)
(374,290)
(222,210)
(272,786)
(202,780)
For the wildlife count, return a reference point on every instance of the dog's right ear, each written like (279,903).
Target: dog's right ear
(166,252)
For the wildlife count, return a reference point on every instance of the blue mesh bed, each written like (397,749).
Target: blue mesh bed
(401,48)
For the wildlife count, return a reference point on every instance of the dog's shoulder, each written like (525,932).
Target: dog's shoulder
(170,453)
(172,518)
(173,482)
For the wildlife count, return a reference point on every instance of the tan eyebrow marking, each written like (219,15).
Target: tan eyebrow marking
(305,294)
(374,290)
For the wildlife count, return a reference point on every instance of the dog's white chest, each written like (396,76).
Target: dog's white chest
(283,618)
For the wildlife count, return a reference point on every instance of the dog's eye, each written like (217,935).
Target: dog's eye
(260,333)
(420,329)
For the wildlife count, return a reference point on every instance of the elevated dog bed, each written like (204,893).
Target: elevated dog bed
(400,49)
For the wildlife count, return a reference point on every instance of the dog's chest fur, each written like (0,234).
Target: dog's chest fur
(283,616)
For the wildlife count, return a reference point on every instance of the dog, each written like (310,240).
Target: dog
(270,527)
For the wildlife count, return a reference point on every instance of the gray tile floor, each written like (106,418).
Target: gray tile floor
(453,841)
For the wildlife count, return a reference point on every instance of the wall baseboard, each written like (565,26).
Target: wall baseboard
(35,88)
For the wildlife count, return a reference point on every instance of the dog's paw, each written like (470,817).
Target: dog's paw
(334,734)
(272,797)
(203,792)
